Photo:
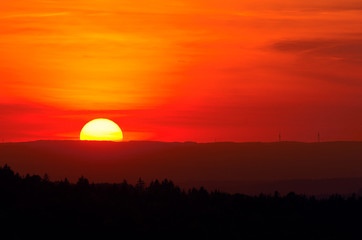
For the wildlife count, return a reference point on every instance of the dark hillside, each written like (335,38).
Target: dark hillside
(34,207)
(311,168)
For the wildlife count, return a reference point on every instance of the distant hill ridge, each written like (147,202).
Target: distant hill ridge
(229,166)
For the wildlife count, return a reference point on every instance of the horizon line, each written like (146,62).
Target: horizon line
(190,142)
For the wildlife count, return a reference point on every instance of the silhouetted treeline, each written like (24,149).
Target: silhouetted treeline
(34,207)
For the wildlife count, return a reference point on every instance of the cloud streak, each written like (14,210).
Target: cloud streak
(343,49)
(35,15)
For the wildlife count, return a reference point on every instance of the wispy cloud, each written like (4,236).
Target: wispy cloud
(35,15)
(337,49)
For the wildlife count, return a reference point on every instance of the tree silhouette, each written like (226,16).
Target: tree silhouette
(62,210)
(83,182)
(140,185)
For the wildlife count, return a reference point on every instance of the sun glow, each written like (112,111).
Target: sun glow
(101,129)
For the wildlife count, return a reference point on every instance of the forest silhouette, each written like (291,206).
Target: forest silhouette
(305,168)
(35,207)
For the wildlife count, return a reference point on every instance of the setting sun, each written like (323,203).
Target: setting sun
(101,130)
(155,118)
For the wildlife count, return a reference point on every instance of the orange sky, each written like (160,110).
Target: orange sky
(182,70)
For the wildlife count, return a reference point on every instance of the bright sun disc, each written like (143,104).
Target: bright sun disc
(101,129)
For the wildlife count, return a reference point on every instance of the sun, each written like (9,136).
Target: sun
(101,129)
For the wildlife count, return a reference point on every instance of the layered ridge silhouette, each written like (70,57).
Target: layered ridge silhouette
(312,168)
(33,207)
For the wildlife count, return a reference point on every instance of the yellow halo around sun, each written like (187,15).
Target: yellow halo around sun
(101,129)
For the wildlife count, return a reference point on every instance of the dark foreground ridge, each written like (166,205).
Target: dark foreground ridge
(34,207)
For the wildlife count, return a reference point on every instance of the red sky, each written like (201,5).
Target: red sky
(182,70)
